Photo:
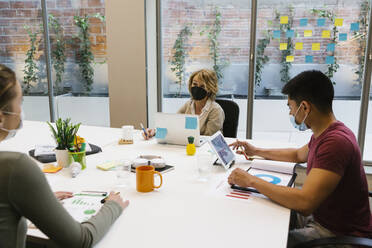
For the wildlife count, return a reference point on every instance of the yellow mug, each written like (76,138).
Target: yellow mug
(145,178)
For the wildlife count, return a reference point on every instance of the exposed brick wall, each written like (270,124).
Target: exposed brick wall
(14,15)
(234,38)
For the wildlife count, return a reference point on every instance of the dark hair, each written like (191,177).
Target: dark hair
(7,83)
(312,86)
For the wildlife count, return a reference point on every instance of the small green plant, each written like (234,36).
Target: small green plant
(58,53)
(213,32)
(64,133)
(84,55)
(286,66)
(178,59)
(31,69)
(361,35)
(330,15)
(261,58)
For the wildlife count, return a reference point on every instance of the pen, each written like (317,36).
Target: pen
(143,129)
(104,199)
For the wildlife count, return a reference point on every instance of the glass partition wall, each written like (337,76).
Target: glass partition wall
(290,36)
(77,35)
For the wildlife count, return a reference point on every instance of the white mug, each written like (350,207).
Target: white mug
(127,132)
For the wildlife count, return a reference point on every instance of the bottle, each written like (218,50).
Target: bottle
(190,148)
(75,168)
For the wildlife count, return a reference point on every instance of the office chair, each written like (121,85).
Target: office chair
(340,240)
(230,125)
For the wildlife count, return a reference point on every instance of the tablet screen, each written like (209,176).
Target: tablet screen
(223,149)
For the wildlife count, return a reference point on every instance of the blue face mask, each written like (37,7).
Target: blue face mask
(302,126)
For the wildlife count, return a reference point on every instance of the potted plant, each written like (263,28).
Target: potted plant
(64,135)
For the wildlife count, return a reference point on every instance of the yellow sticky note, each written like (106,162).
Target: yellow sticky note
(339,22)
(326,34)
(284,20)
(289,58)
(299,46)
(308,33)
(283,46)
(315,47)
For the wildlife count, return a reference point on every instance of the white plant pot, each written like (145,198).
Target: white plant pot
(62,157)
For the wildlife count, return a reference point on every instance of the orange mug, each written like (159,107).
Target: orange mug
(145,178)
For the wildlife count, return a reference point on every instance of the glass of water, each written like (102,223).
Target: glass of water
(123,173)
(204,161)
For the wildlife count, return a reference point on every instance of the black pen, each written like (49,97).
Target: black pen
(104,199)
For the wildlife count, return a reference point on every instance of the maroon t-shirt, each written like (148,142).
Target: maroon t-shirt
(346,210)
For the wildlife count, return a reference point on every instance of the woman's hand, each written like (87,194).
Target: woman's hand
(248,149)
(241,178)
(117,198)
(149,134)
(61,195)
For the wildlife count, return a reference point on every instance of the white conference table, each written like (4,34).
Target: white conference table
(182,213)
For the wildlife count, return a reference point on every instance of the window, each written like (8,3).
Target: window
(205,34)
(293,36)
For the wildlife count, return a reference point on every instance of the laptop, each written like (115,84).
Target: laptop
(176,128)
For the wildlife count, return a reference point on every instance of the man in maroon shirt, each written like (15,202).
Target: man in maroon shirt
(335,193)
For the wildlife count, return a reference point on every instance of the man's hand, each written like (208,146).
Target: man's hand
(118,199)
(241,178)
(248,149)
(61,195)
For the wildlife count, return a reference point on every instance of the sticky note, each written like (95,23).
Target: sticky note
(308,33)
(299,46)
(315,46)
(342,37)
(339,22)
(276,34)
(284,20)
(309,59)
(331,47)
(161,133)
(289,58)
(330,60)
(354,26)
(326,34)
(303,22)
(290,33)
(191,123)
(321,22)
(283,46)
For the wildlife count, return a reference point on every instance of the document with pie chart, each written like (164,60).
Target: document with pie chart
(275,172)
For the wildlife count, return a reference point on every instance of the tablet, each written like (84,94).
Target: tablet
(224,153)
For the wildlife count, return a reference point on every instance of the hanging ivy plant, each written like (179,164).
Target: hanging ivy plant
(284,65)
(330,15)
(261,58)
(84,55)
(178,59)
(361,36)
(58,53)
(31,69)
(213,31)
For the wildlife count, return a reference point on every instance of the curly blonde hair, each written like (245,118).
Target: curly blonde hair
(209,77)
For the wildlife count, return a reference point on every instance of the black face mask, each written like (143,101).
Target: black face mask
(198,93)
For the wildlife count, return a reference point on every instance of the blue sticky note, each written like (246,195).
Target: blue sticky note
(354,26)
(303,22)
(276,34)
(290,34)
(191,123)
(342,37)
(309,59)
(321,22)
(161,133)
(331,47)
(330,59)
